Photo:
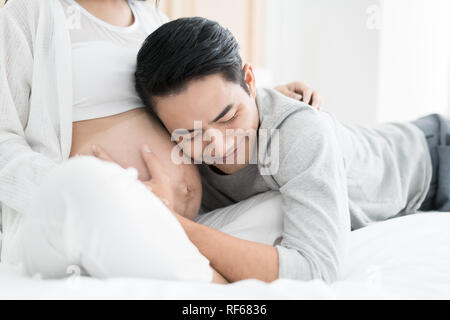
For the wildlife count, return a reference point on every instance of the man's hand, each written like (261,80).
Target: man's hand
(159,183)
(300,91)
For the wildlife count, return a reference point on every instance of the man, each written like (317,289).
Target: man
(332,177)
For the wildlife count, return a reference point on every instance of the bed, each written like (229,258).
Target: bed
(402,258)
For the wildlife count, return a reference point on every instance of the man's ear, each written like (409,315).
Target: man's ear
(249,77)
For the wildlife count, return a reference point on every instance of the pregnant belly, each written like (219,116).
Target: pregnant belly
(122,137)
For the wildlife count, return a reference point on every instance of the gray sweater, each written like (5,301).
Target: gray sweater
(332,178)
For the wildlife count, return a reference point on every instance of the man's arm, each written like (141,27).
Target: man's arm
(235,259)
(218,278)
(312,184)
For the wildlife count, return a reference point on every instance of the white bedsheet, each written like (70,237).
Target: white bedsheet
(406,258)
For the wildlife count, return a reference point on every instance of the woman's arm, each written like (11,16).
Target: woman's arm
(21,168)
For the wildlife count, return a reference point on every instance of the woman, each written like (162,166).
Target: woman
(66,89)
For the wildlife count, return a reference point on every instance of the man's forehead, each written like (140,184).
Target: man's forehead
(197,103)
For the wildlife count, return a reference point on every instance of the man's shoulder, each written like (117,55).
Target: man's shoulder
(278,111)
(291,129)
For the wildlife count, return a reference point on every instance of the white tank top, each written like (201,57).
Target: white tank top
(104,59)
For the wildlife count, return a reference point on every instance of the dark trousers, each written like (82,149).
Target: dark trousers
(437,132)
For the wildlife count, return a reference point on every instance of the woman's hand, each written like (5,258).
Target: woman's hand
(300,91)
(159,183)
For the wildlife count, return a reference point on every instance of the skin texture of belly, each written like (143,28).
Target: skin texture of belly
(122,136)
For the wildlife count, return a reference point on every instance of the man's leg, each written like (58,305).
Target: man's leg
(99,217)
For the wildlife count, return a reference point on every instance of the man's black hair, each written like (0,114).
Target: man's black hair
(183,50)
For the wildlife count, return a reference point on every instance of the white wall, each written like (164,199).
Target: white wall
(414,59)
(327,44)
(372,60)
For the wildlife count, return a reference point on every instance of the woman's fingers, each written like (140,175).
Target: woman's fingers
(154,165)
(307,95)
(295,96)
(297,87)
(100,153)
(302,92)
(317,101)
(289,91)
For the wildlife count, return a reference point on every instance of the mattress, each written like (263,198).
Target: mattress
(402,258)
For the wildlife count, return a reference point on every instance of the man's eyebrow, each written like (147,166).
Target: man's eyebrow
(220,116)
(223,113)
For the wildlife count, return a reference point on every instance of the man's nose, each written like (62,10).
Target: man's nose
(215,138)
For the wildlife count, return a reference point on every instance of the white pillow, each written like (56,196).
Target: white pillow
(258,219)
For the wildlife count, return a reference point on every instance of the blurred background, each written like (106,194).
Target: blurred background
(372,60)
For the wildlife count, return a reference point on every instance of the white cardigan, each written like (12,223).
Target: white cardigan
(35,103)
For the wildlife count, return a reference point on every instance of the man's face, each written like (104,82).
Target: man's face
(213,120)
